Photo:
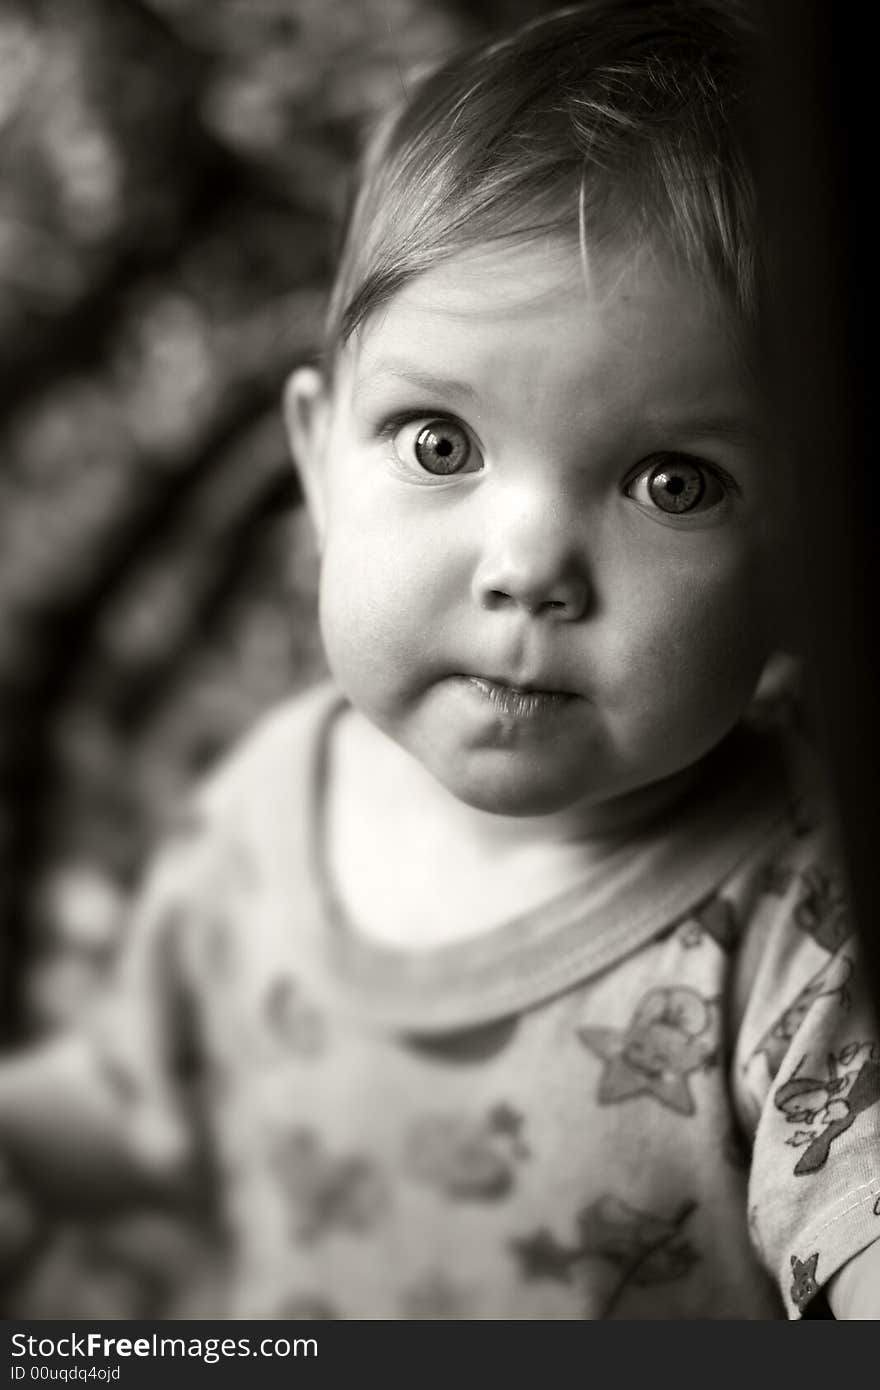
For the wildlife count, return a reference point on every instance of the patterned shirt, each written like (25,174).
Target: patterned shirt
(658,1096)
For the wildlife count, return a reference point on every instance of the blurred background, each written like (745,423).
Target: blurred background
(172,174)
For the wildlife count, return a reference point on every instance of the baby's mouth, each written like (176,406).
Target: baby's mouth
(519,702)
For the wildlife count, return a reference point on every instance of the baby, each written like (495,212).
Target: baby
(499,978)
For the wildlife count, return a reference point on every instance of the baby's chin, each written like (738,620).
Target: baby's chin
(505,785)
(580,797)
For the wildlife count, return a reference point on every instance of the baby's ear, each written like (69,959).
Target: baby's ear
(307,417)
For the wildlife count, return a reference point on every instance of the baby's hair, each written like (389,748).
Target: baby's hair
(606,120)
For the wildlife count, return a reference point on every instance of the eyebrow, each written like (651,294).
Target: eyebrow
(734,427)
(739,429)
(425,381)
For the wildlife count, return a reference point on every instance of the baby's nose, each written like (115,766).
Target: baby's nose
(538,575)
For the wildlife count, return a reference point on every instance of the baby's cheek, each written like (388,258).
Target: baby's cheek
(347,615)
(367,620)
(691,651)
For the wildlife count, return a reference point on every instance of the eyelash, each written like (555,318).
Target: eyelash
(390,427)
(729,486)
(653,464)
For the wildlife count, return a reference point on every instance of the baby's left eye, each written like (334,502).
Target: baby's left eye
(676,484)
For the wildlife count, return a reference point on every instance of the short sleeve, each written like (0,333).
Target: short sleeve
(806,1076)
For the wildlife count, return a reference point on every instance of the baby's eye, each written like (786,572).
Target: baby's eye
(676,484)
(439,446)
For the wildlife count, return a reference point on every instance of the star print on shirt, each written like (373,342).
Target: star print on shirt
(644,1248)
(469,1158)
(326,1193)
(670,1035)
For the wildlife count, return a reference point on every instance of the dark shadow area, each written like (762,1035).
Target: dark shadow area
(821,277)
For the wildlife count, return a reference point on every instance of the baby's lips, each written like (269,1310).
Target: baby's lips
(535,682)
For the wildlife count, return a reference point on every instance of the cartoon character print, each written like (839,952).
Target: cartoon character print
(822,910)
(467,1160)
(715,918)
(804,1286)
(825,1107)
(672,1034)
(645,1248)
(832,980)
(325,1193)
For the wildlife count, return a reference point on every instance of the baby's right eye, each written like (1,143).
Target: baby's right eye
(438,446)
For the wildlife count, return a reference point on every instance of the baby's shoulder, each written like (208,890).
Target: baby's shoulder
(801,884)
(275,763)
(793,881)
(240,838)
(785,904)
(254,804)
(798,943)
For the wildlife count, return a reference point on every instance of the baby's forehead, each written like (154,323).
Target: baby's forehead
(541,309)
(489,282)
(519,279)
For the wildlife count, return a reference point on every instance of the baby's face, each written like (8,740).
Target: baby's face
(540,510)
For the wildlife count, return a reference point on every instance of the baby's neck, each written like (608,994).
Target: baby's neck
(416,867)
